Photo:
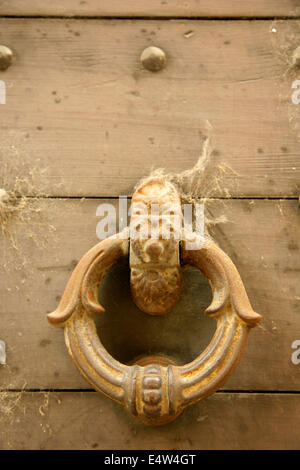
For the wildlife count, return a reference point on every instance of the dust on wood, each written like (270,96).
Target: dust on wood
(285,39)
(20,213)
(196,185)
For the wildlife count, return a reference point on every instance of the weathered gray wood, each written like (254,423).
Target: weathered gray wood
(262,238)
(132,8)
(84,119)
(82,420)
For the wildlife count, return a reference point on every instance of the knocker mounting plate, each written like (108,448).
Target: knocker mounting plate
(155,389)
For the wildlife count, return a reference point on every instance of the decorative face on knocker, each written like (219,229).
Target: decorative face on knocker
(155,231)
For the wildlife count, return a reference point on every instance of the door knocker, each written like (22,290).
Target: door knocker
(155,389)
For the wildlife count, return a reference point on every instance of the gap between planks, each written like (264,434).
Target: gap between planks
(235,198)
(90,390)
(153,18)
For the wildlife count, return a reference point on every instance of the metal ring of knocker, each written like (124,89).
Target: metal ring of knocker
(153,389)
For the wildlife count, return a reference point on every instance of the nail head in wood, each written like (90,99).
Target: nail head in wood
(153,59)
(6,57)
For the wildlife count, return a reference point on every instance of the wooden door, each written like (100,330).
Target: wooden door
(83,121)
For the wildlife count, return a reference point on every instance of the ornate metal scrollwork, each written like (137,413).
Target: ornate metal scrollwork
(155,389)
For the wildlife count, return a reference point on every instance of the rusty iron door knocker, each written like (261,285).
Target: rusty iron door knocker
(155,389)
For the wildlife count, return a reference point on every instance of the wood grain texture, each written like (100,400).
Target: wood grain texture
(261,237)
(135,8)
(84,420)
(83,112)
